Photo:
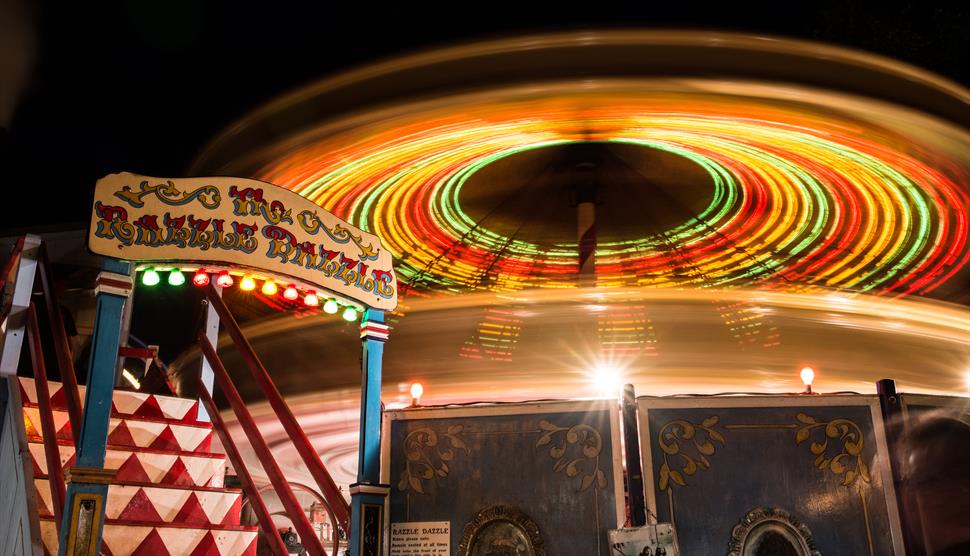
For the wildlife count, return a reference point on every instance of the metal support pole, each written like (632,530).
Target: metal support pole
(634,472)
(211,331)
(367,495)
(87,489)
(13,326)
(894,424)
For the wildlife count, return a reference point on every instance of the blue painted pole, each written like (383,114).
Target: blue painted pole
(87,488)
(367,494)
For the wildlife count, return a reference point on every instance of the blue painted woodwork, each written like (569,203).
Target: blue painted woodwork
(481,461)
(761,464)
(97,400)
(369,453)
(369,456)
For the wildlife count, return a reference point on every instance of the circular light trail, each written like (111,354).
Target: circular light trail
(803,197)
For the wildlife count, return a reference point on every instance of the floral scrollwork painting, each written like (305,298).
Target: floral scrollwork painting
(686,448)
(577,451)
(428,454)
(848,461)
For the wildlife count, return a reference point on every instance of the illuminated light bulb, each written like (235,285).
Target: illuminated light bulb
(150,278)
(808,375)
(416,391)
(223,280)
(175,277)
(311,299)
(269,288)
(247,284)
(331,306)
(131,378)
(201,278)
(291,293)
(608,380)
(350,314)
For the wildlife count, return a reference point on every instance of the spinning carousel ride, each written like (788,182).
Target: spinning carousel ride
(687,212)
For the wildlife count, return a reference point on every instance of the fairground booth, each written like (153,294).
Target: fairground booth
(641,293)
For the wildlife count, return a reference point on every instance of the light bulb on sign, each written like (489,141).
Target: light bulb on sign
(201,278)
(808,376)
(223,280)
(269,288)
(417,389)
(331,307)
(350,314)
(247,284)
(291,293)
(150,278)
(311,299)
(175,277)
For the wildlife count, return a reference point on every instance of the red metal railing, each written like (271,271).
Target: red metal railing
(272,535)
(55,474)
(328,487)
(310,541)
(62,348)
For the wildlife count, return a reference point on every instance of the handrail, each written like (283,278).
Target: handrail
(310,541)
(276,544)
(7,269)
(310,456)
(62,348)
(55,474)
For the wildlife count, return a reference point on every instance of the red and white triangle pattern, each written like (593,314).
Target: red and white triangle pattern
(158,540)
(144,467)
(130,432)
(124,403)
(167,496)
(182,506)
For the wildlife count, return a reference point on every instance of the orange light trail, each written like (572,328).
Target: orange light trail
(802,198)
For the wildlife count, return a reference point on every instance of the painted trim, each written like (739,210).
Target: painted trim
(89,475)
(95,541)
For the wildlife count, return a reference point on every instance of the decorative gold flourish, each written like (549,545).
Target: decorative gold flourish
(848,462)
(428,456)
(678,438)
(311,224)
(584,437)
(208,195)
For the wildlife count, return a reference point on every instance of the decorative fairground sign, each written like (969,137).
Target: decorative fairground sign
(239,222)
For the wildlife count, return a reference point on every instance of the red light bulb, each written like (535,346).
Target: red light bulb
(291,293)
(223,280)
(201,278)
(311,299)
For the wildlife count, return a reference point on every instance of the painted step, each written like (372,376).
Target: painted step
(123,403)
(128,539)
(159,505)
(144,466)
(131,432)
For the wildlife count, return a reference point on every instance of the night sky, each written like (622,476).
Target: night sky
(94,88)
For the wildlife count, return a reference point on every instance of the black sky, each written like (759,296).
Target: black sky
(142,86)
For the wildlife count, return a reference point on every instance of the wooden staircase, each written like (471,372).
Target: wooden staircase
(167,497)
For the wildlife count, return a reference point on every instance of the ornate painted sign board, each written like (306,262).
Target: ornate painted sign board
(239,222)
(531,479)
(807,473)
